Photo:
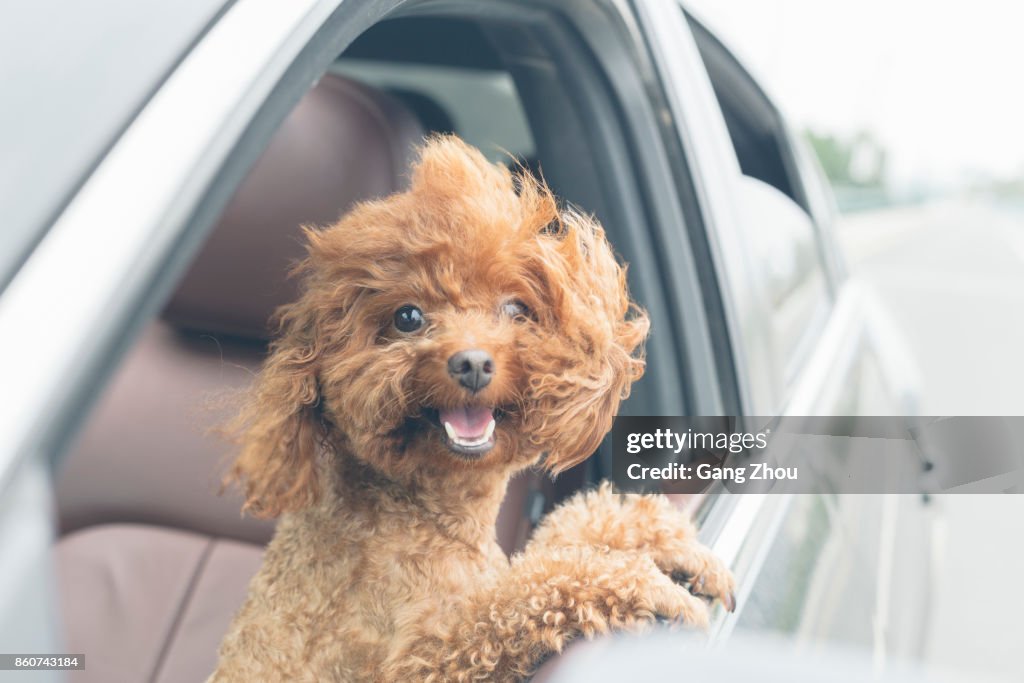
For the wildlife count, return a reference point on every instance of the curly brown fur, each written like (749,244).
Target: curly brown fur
(384,565)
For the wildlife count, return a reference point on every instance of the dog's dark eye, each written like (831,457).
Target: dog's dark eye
(408,319)
(515,310)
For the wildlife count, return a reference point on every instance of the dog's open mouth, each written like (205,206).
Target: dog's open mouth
(467,430)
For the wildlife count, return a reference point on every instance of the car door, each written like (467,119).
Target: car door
(805,339)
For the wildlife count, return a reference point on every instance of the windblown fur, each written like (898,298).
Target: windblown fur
(384,565)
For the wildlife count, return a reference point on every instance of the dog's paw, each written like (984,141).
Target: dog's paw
(694,565)
(666,534)
(659,599)
(647,526)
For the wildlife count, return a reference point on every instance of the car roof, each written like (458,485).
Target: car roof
(73,75)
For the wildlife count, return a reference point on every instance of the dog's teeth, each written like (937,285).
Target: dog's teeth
(469,443)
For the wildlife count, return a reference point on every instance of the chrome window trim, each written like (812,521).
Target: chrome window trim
(56,311)
(740,530)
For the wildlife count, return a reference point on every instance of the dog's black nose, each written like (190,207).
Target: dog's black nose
(472,368)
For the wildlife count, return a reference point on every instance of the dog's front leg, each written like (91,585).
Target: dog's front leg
(547,598)
(646,524)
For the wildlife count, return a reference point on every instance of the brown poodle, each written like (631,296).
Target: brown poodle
(445,339)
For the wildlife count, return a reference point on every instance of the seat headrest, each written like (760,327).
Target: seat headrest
(342,144)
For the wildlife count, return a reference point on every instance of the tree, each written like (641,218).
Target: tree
(857,161)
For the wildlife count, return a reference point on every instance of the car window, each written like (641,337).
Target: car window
(448,73)
(775,205)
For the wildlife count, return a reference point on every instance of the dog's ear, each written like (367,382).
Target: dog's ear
(601,334)
(279,429)
(597,389)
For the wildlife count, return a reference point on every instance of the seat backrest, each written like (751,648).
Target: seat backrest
(145,454)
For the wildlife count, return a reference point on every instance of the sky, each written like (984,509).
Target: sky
(940,83)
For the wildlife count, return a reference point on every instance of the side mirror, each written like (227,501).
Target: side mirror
(788,265)
(782,234)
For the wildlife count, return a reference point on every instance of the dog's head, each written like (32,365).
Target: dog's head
(464,324)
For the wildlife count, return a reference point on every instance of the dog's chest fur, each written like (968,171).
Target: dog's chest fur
(358,582)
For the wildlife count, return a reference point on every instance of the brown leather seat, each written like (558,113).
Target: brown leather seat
(152,563)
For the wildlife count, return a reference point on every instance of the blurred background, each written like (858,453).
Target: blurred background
(915,111)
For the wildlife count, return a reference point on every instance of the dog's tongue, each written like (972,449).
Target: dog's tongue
(468,422)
